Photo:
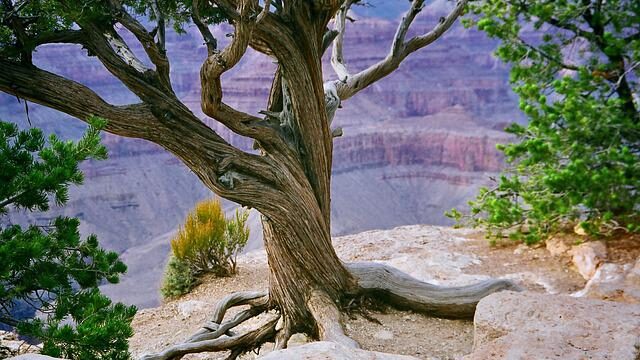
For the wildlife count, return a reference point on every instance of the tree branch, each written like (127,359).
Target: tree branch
(399,49)
(155,51)
(56,92)
(209,40)
(217,64)
(337,53)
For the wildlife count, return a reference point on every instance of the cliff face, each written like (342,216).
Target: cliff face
(416,144)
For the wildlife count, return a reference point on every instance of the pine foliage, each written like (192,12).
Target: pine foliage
(50,267)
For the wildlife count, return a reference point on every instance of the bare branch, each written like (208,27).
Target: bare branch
(60,37)
(337,53)
(559,62)
(399,49)
(265,11)
(58,93)
(161,26)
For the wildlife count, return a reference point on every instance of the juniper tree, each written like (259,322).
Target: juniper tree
(575,66)
(49,268)
(287,179)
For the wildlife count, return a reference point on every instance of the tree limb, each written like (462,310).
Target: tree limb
(56,92)
(155,51)
(217,64)
(399,49)
(337,53)
(209,40)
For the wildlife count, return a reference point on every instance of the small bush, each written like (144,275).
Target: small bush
(207,243)
(178,279)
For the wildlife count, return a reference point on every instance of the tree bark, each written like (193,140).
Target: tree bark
(302,260)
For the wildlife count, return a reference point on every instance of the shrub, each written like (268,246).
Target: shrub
(49,267)
(178,279)
(208,242)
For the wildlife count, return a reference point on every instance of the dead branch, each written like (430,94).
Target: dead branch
(348,85)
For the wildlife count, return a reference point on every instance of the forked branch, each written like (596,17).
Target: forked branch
(154,50)
(348,85)
(217,63)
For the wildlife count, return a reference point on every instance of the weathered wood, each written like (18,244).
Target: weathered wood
(407,292)
(288,182)
(254,298)
(237,343)
(329,320)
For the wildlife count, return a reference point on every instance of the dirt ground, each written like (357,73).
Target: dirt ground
(392,331)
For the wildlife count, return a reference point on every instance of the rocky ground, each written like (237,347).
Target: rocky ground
(560,315)
(562,271)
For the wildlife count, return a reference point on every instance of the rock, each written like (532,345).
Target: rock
(298,339)
(530,326)
(324,350)
(383,335)
(557,246)
(11,345)
(614,282)
(189,307)
(588,256)
(34,357)
(579,230)
(520,249)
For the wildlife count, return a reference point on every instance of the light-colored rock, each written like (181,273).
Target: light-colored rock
(324,350)
(557,246)
(384,335)
(298,339)
(520,249)
(34,357)
(10,345)
(531,326)
(579,230)
(614,282)
(189,307)
(588,256)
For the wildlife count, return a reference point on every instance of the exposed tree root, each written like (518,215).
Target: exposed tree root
(208,338)
(386,283)
(328,319)
(237,344)
(254,298)
(403,291)
(284,334)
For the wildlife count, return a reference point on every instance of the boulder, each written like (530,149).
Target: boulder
(557,245)
(11,345)
(614,282)
(34,357)
(190,307)
(324,350)
(528,326)
(587,257)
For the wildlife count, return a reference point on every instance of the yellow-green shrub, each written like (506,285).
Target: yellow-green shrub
(208,242)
